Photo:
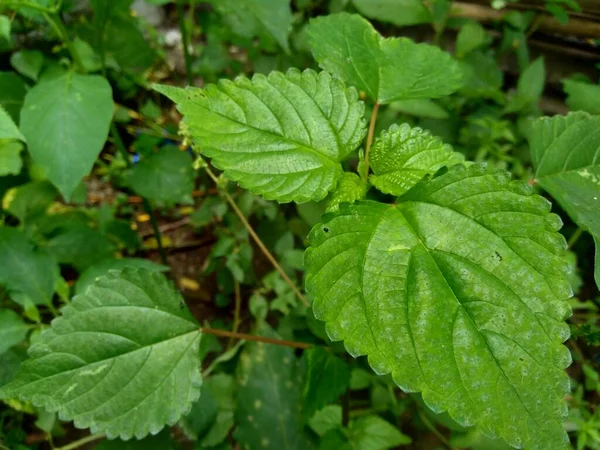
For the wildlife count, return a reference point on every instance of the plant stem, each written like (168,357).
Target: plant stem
(251,337)
(257,239)
(156,230)
(185,42)
(434,430)
(55,21)
(574,237)
(370,138)
(236,312)
(78,443)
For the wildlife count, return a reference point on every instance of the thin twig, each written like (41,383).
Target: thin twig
(78,443)
(434,430)
(236,311)
(370,138)
(252,337)
(258,240)
(574,238)
(185,42)
(157,235)
(168,227)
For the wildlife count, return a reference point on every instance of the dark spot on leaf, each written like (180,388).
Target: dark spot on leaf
(521,359)
(326,230)
(498,256)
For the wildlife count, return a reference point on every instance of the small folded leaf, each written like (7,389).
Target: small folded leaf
(65,120)
(282,135)
(459,291)
(402,156)
(565,151)
(122,359)
(350,189)
(28,62)
(385,69)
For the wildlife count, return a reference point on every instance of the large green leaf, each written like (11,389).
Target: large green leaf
(166,176)
(65,120)
(386,69)
(402,156)
(282,135)
(268,414)
(458,291)
(398,12)
(566,154)
(122,359)
(263,18)
(25,271)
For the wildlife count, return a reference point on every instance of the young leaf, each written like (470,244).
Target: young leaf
(385,69)
(65,120)
(327,377)
(402,156)
(374,433)
(250,18)
(459,292)
(420,108)
(350,189)
(268,414)
(565,151)
(327,419)
(122,359)
(166,176)
(28,62)
(582,96)
(25,270)
(398,12)
(470,37)
(8,129)
(282,135)
(10,158)
(12,329)
(529,87)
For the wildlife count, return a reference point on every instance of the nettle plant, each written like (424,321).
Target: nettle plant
(457,286)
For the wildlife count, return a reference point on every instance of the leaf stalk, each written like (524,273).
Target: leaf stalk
(370,135)
(80,442)
(252,337)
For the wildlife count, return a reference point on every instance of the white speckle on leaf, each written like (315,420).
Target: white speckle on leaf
(96,371)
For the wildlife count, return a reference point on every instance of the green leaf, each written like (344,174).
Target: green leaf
(268,413)
(263,18)
(421,108)
(582,96)
(8,129)
(398,12)
(202,415)
(374,433)
(5,39)
(483,77)
(29,200)
(103,267)
(10,361)
(350,189)
(566,155)
(385,69)
(161,441)
(12,329)
(222,387)
(402,156)
(327,419)
(470,37)
(121,360)
(80,246)
(327,377)
(458,291)
(28,63)
(65,120)
(12,93)
(529,87)
(282,135)
(10,158)
(25,270)
(166,176)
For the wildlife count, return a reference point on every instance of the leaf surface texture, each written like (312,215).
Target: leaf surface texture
(459,292)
